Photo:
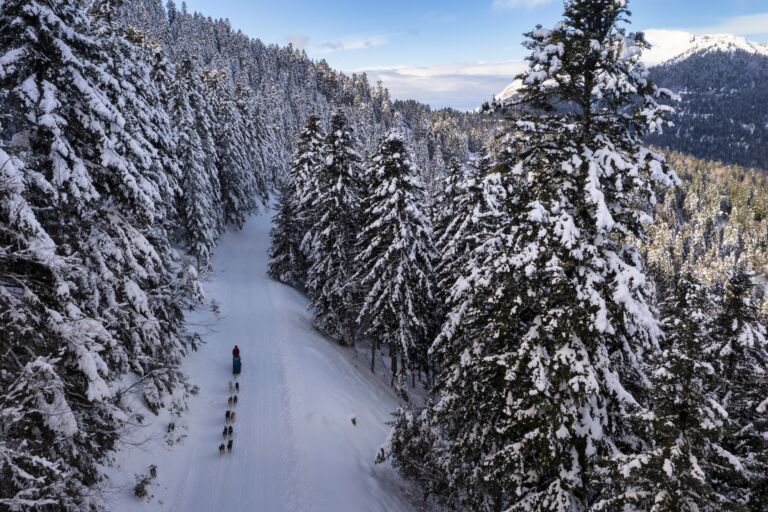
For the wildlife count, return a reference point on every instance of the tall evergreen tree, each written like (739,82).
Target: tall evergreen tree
(307,179)
(687,456)
(551,309)
(469,384)
(201,206)
(254,137)
(331,247)
(395,260)
(237,177)
(288,263)
(444,212)
(477,214)
(467,214)
(92,187)
(741,363)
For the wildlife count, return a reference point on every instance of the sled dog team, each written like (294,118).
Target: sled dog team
(229,416)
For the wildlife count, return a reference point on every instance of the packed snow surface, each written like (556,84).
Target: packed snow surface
(296,447)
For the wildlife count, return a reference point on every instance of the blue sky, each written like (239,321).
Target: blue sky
(450,52)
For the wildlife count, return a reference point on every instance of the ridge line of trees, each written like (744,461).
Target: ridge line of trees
(131,137)
(565,374)
(352,233)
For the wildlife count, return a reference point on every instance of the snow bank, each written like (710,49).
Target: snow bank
(296,447)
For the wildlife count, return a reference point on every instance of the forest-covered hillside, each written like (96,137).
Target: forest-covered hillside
(721,114)
(290,87)
(578,354)
(581,310)
(713,221)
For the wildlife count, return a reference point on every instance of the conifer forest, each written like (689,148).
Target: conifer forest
(554,302)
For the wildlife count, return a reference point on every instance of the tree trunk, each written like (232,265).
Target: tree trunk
(393,363)
(497,505)
(373,356)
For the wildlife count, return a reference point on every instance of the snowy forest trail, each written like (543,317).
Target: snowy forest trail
(295,446)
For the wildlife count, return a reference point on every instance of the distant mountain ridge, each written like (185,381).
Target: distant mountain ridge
(722,113)
(668,46)
(675,45)
(722,80)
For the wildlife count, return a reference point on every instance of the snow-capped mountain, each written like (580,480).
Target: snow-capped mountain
(722,80)
(722,114)
(677,45)
(509,91)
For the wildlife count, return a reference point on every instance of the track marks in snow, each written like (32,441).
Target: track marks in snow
(295,448)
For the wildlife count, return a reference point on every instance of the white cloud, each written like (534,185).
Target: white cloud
(353,43)
(297,40)
(462,85)
(750,25)
(512,4)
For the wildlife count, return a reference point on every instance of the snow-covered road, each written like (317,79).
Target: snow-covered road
(295,447)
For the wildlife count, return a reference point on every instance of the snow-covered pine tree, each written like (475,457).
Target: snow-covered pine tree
(442,216)
(238,180)
(161,70)
(331,250)
(288,263)
(687,456)
(139,97)
(444,208)
(551,310)
(741,363)
(466,214)
(97,294)
(34,475)
(201,206)
(473,382)
(307,174)
(268,140)
(395,261)
(254,137)
(475,215)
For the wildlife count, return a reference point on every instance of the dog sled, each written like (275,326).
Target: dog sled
(236,365)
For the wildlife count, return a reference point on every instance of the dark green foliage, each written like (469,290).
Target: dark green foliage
(332,234)
(687,457)
(394,264)
(295,215)
(721,103)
